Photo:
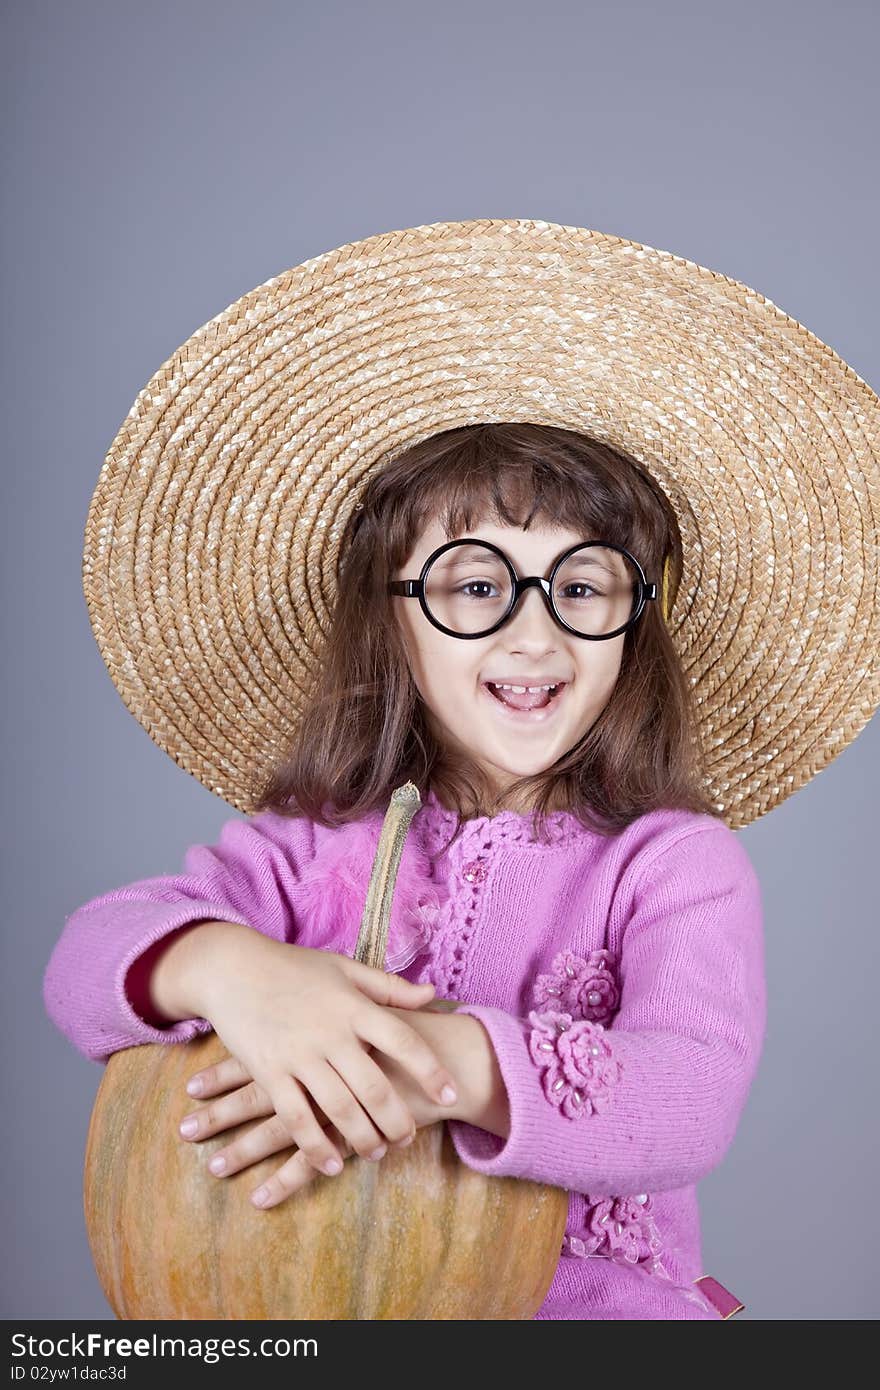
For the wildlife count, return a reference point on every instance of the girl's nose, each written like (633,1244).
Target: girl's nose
(532,613)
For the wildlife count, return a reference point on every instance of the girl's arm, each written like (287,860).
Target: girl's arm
(484,1101)
(666,1084)
(99,975)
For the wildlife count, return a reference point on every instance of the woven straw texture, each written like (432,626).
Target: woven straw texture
(212,539)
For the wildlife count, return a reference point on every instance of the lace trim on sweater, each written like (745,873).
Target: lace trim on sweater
(505,827)
(453,927)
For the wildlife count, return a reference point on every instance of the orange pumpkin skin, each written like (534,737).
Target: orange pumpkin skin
(417,1235)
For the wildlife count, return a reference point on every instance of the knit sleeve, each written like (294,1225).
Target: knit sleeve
(652,1101)
(94,973)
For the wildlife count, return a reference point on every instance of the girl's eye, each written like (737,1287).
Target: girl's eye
(474,584)
(589,587)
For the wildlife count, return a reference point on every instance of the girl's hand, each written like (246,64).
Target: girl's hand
(242,1099)
(302,1022)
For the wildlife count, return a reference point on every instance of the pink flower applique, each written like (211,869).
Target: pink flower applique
(579,1069)
(619,1228)
(586,988)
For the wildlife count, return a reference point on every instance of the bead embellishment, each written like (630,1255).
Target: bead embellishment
(579,1069)
(474,870)
(585,987)
(621,1229)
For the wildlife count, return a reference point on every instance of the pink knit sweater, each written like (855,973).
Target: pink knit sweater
(621,982)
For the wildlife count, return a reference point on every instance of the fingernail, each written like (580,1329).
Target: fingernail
(260,1196)
(332,1167)
(189,1127)
(196,1086)
(408,1140)
(447,1095)
(380,1152)
(218,1164)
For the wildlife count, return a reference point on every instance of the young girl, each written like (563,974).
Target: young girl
(612,966)
(501,637)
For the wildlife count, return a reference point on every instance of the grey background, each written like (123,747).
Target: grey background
(162,160)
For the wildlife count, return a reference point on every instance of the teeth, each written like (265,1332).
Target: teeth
(521,689)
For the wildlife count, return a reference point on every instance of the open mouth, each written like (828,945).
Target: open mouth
(528,707)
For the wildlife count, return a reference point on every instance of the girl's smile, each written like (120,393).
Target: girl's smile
(526,717)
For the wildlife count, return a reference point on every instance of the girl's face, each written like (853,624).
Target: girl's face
(529,649)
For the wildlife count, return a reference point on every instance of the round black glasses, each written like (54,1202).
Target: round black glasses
(469,588)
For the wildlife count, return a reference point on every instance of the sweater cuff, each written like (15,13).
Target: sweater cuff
(572,1067)
(116,1023)
(158,921)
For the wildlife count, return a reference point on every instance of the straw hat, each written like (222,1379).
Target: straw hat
(212,539)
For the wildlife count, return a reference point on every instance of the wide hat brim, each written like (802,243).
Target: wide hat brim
(212,538)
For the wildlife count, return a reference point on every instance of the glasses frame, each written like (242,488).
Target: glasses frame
(415,588)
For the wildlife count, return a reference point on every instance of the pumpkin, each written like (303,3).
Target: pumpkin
(415,1236)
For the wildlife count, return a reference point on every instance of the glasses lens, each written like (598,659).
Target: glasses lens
(468,589)
(596,590)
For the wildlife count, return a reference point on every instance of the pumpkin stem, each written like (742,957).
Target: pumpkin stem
(373,935)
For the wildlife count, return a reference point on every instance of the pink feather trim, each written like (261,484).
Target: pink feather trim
(330,913)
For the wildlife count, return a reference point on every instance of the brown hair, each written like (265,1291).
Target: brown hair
(365,729)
